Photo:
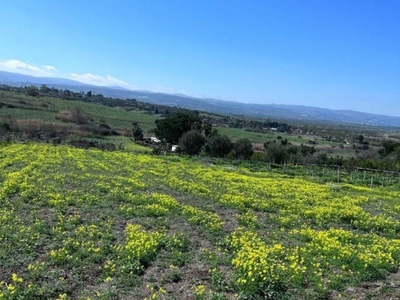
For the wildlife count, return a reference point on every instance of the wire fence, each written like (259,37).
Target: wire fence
(332,173)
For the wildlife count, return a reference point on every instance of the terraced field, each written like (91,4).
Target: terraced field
(87,224)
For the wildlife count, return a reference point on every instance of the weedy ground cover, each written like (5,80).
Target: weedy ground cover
(87,224)
(45,108)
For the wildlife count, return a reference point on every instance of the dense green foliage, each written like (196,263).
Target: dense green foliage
(191,142)
(175,125)
(137,132)
(243,149)
(219,146)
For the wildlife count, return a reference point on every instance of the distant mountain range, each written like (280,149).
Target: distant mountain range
(276,111)
(20,79)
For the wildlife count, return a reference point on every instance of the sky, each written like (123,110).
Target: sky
(338,54)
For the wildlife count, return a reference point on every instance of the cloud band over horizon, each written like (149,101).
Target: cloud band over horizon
(17,66)
(94,79)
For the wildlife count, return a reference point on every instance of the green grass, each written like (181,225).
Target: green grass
(260,137)
(45,108)
(129,145)
(236,133)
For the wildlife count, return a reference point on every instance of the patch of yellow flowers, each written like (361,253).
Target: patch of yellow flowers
(332,234)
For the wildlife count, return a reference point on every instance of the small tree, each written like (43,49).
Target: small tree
(219,146)
(44,88)
(360,138)
(175,125)
(4,127)
(191,142)
(67,95)
(243,149)
(276,153)
(33,91)
(196,126)
(78,116)
(306,150)
(207,128)
(137,132)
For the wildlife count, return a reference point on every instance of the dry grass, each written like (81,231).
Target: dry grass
(75,115)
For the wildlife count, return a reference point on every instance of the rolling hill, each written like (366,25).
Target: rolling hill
(276,111)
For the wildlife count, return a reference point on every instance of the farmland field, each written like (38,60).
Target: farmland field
(80,224)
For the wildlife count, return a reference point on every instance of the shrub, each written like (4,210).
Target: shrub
(32,91)
(191,142)
(259,156)
(137,132)
(219,146)
(174,126)
(75,115)
(243,149)
(4,127)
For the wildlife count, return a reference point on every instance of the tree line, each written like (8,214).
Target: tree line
(195,136)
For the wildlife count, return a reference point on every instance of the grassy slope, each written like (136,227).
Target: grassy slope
(45,108)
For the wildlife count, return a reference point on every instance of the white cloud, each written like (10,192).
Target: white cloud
(100,80)
(167,90)
(17,66)
(50,69)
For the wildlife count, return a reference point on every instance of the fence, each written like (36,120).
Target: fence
(332,173)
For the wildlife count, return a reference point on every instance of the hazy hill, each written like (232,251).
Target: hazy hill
(20,79)
(297,112)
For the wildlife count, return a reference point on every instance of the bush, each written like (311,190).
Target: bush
(191,142)
(276,153)
(75,115)
(174,126)
(32,91)
(137,132)
(104,129)
(4,127)
(243,149)
(219,146)
(259,156)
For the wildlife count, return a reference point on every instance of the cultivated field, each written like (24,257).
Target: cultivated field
(80,224)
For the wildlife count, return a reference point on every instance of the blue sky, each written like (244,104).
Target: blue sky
(338,54)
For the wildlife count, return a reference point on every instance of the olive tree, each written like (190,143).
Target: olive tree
(175,125)
(191,142)
(243,149)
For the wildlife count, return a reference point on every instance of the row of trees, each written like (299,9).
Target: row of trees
(194,136)
(285,152)
(216,145)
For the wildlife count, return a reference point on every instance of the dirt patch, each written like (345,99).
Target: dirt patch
(389,289)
